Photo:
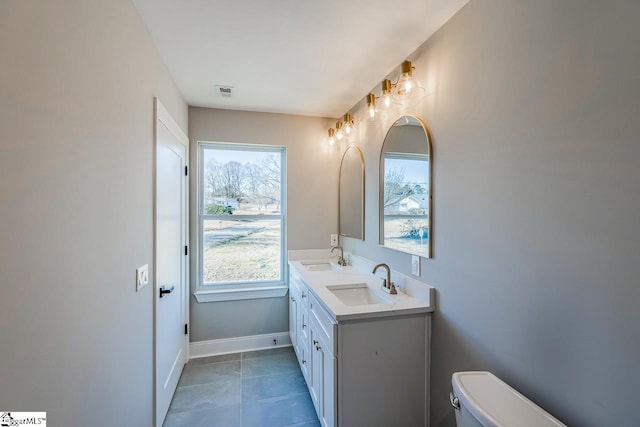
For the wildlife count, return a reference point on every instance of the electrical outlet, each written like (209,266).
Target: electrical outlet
(334,240)
(415,265)
(142,276)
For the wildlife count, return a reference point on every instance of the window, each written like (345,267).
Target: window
(241,219)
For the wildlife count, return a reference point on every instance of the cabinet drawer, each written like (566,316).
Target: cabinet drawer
(299,289)
(304,296)
(324,321)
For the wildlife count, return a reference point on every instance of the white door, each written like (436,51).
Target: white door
(171,340)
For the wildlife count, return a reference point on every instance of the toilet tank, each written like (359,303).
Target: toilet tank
(482,399)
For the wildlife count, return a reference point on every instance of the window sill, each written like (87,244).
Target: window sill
(240,293)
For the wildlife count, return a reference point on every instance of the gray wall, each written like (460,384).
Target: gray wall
(77,81)
(534,111)
(312,206)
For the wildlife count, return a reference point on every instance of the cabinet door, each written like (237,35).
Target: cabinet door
(293,319)
(315,369)
(322,387)
(303,324)
(327,396)
(303,358)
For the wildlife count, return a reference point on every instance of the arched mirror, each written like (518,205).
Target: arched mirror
(351,194)
(405,188)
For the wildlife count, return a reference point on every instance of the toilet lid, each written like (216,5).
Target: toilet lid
(492,402)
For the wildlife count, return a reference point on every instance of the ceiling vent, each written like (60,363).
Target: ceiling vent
(224,91)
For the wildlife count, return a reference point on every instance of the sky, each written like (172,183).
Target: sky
(415,171)
(242,156)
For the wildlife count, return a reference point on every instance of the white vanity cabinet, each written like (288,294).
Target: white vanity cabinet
(312,332)
(323,363)
(361,371)
(299,322)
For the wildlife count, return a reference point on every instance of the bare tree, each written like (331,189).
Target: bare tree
(212,176)
(252,184)
(395,187)
(231,177)
(271,174)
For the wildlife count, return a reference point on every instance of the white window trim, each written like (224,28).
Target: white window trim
(241,290)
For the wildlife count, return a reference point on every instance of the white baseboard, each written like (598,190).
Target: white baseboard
(236,345)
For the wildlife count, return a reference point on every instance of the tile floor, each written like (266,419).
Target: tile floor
(252,389)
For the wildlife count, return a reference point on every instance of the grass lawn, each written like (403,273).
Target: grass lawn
(246,258)
(395,237)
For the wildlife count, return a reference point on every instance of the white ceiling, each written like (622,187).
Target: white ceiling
(316,58)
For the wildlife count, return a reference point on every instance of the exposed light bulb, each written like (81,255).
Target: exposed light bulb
(349,126)
(405,85)
(332,138)
(406,82)
(386,100)
(372,112)
(339,131)
(386,97)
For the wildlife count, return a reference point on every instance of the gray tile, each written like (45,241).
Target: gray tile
(315,423)
(267,353)
(204,374)
(284,363)
(225,416)
(214,359)
(269,386)
(281,411)
(206,396)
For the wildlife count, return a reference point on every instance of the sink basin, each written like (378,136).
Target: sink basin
(357,294)
(320,266)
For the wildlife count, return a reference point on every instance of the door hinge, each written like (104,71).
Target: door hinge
(186,328)
(186,250)
(186,171)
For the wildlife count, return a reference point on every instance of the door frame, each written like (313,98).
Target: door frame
(162,117)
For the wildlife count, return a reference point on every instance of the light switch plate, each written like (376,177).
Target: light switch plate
(142,276)
(334,240)
(415,265)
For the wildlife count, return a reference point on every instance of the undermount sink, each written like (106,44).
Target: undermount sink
(357,294)
(320,266)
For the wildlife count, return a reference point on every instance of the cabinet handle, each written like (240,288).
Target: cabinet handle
(304,326)
(318,347)
(304,361)
(315,342)
(293,299)
(303,295)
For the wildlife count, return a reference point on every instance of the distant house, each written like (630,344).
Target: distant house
(416,204)
(225,201)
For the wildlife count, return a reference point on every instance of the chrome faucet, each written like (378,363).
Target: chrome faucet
(341,260)
(387,284)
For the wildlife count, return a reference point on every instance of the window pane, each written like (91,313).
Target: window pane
(406,202)
(237,250)
(241,182)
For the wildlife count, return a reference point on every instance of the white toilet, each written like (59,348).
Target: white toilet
(482,399)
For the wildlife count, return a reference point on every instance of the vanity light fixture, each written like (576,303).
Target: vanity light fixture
(349,124)
(406,83)
(386,97)
(372,111)
(339,131)
(391,93)
(332,138)
(344,129)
